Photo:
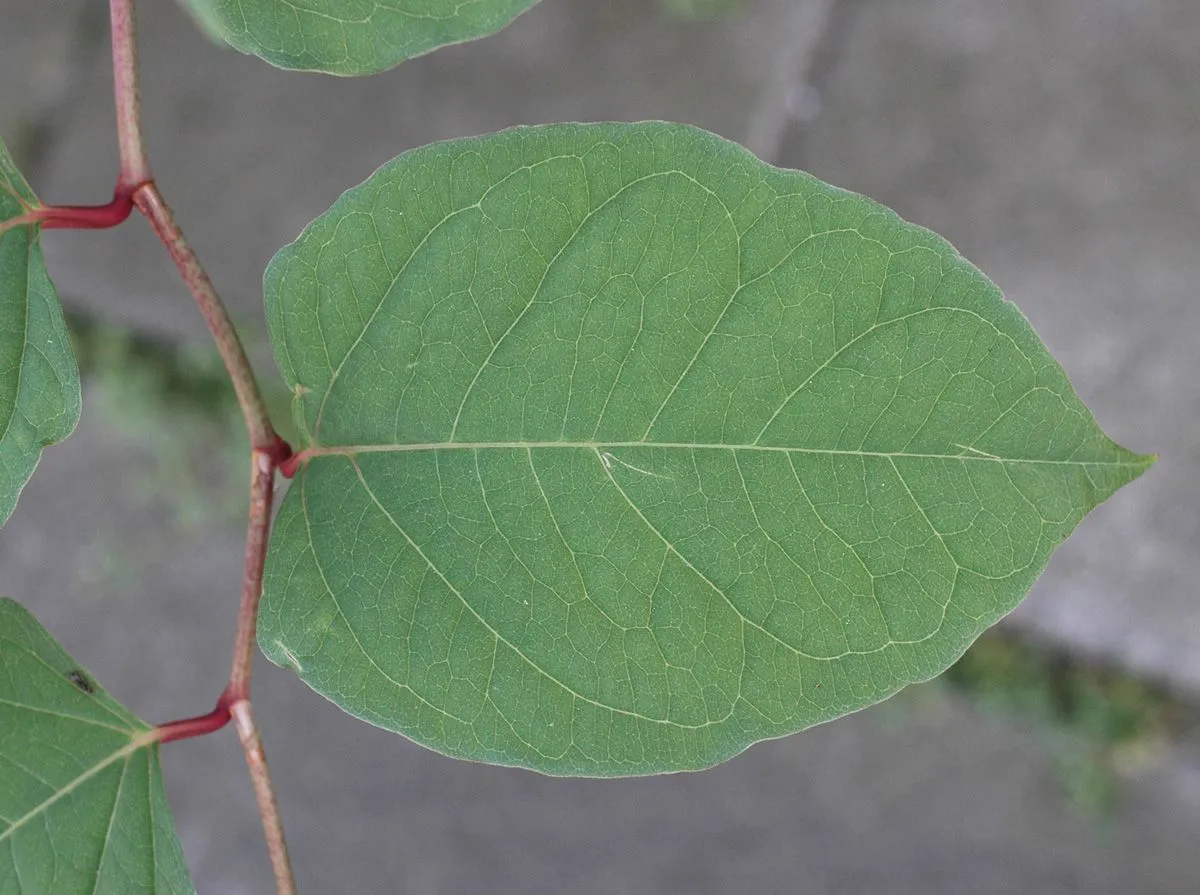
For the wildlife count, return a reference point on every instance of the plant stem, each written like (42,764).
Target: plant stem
(235,701)
(149,202)
(262,492)
(135,169)
(135,184)
(243,720)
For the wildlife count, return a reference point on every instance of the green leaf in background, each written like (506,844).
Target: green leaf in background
(627,450)
(39,382)
(350,37)
(82,808)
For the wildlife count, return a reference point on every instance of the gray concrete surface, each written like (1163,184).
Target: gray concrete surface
(1055,144)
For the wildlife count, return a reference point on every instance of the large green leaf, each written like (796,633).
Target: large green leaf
(82,808)
(39,382)
(350,37)
(626,450)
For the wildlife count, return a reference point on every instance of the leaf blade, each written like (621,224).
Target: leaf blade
(346,37)
(40,398)
(628,450)
(82,807)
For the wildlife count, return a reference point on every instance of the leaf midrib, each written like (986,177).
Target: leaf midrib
(141,741)
(600,447)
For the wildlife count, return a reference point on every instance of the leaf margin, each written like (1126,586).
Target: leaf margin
(280,653)
(210,18)
(39,298)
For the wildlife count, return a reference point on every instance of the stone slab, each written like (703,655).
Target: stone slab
(1057,145)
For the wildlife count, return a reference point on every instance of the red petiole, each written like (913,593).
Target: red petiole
(186,728)
(85,217)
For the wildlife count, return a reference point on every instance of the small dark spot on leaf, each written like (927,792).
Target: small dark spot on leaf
(82,681)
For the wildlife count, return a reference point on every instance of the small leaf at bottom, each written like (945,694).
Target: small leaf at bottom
(82,807)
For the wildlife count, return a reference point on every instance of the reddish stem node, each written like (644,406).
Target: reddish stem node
(279,452)
(288,467)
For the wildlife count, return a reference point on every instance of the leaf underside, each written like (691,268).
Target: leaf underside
(350,37)
(82,807)
(627,450)
(39,381)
